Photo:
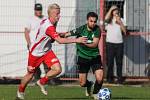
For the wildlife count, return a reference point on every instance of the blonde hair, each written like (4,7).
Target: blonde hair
(51,7)
(111,14)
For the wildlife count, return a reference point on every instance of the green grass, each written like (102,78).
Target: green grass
(8,92)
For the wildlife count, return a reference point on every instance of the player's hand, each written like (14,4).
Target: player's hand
(82,40)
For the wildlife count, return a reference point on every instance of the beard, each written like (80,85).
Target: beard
(91,27)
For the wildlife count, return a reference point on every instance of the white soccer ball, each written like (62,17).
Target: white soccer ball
(104,94)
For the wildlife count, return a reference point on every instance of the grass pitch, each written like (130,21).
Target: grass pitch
(8,92)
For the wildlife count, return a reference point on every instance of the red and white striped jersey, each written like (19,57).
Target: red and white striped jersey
(33,25)
(42,44)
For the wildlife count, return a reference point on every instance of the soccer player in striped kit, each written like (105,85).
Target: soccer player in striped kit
(40,51)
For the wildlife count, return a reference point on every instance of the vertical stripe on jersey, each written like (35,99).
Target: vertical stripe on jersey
(37,44)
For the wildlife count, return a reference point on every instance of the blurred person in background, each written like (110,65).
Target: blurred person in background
(31,29)
(115,30)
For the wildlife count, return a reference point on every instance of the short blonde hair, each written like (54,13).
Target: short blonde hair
(52,6)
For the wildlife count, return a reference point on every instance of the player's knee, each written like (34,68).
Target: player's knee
(99,81)
(58,70)
(30,75)
(99,75)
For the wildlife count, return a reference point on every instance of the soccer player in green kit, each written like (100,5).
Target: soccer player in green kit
(88,55)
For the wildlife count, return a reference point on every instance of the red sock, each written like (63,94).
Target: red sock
(44,80)
(21,88)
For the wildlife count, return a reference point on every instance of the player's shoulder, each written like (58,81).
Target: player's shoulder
(83,27)
(46,22)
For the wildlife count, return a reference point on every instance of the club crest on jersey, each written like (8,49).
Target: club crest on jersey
(92,35)
(54,60)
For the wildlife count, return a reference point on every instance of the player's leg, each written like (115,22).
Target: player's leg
(53,72)
(83,66)
(83,79)
(85,83)
(97,69)
(37,74)
(45,68)
(52,81)
(99,80)
(119,60)
(110,54)
(33,62)
(55,69)
(98,83)
(26,79)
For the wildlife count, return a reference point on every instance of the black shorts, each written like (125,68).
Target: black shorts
(84,65)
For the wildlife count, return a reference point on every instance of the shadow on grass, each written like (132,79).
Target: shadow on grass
(82,98)
(67,98)
(59,98)
(130,98)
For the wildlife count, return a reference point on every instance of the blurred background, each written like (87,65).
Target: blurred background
(13,50)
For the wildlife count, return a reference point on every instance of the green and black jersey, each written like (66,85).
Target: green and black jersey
(82,50)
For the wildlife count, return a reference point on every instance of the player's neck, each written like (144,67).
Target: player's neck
(52,21)
(89,29)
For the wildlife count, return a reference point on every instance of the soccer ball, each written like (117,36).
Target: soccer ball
(104,94)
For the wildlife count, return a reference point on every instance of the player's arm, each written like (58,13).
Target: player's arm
(51,31)
(64,35)
(74,32)
(94,43)
(70,40)
(27,37)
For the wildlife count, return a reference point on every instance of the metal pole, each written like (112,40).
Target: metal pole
(34,1)
(102,40)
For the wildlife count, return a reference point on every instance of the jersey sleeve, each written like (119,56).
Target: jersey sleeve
(51,31)
(76,32)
